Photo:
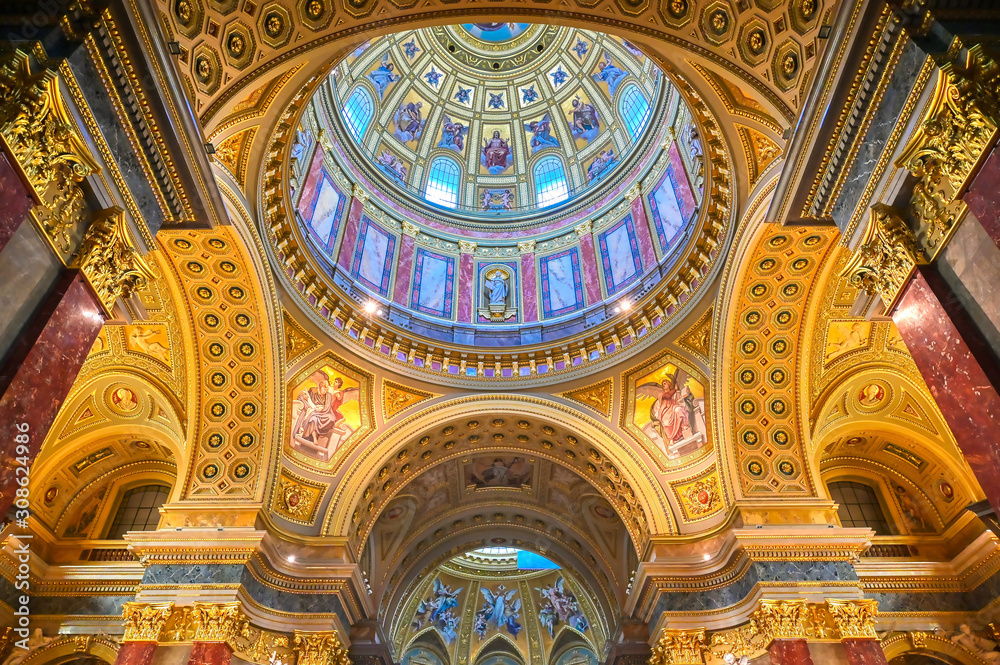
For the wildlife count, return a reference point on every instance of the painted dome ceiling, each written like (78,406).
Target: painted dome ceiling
(495,118)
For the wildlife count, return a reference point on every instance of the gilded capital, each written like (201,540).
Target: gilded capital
(467,247)
(781,619)
(217,622)
(109,261)
(144,622)
(584,229)
(410,229)
(360,193)
(855,619)
(320,648)
(886,257)
(680,647)
(526,247)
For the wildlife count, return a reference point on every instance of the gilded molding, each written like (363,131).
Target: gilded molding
(886,257)
(680,647)
(144,622)
(781,619)
(109,260)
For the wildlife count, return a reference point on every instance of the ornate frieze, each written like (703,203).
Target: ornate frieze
(320,648)
(109,260)
(886,257)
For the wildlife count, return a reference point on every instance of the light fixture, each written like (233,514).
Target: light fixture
(706,557)
(291,558)
(370,307)
(625,305)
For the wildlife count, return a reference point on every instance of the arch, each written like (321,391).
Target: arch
(636,495)
(428,640)
(358,111)
(136,509)
(444,179)
(860,505)
(569,638)
(67,648)
(549,176)
(931,649)
(498,645)
(633,109)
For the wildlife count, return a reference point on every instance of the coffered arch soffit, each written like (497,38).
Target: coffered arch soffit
(370,478)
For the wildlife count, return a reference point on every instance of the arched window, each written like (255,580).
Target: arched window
(442,182)
(859,506)
(550,182)
(138,510)
(358,112)
(633,108)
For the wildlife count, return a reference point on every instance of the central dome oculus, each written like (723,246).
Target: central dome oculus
(495,119)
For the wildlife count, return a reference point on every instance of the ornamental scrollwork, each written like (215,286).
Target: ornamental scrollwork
(39,133)
(320,648)
(855,619)
(109,261)
(680,647)
(144,622)
(887,255)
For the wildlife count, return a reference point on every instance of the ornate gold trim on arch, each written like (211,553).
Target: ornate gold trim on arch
(298,499)
(700,497)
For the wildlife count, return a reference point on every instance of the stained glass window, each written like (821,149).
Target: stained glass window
(550,182)
(442,182)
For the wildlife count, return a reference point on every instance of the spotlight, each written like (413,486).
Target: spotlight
(625,305)
(824,31)
(210,148)
(291,558)
(370,307)
(174,48)
(706,557)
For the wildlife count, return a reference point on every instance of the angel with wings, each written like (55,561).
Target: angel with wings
(382,77)
(610,73)
(675,416)
(319,426)
(500,610)
(540,134)
(437,606)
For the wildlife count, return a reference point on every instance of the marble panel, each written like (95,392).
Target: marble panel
(970,265)
(404,267)
(374,257)
(322,211)
(42,366)
(354,216)
(864,652)
(561,283)
(529,293)
(790,652)
(29,262)
(591,273)
(136,653)
(193,574)
(642,233)
(620,255)
(433,284)
(15,200)
(960,387)
(671,204)
(210,653)
(466,287)
(983,196)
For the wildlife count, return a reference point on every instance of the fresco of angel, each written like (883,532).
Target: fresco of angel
(437,607)
(676,411)
(560,607)
(452,134)
(541,136)
(383,76)
(318,424)
(500,610)
(610,73)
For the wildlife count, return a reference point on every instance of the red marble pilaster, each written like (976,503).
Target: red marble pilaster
(210,653)
(136,653)
(466,287)
(790,652)
(643,235)
(404,268)
(350,234)
(41,369)
(588,265)
(864,652)
(16,200)
(966,396)
(983,195)
(529,287)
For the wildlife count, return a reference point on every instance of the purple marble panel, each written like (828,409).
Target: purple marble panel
(466,287)
(15,200)
(374,256)
(955,379)
(681,182)
(403,269)
(561,283)
(41,369)
(588,261)
(433,283)
(620,255)
(350,234)
(529,287)
(322,211)
(642,229)
(983,197)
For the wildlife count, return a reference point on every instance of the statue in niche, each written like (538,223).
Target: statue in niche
(697,156)
(495,295)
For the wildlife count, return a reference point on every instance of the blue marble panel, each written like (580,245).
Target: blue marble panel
(620,255)
(433,283)
(323,212)
(668,209)
(373,257)
(562,285)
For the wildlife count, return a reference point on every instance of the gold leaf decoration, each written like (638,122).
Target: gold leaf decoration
(698,338)
(699,497)
(759,149)
(297,341)
(297,498)
(397,397)
(597,396)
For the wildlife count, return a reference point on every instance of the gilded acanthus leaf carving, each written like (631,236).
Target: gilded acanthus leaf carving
(886,257)
(320,648)
(144,622)
(40,135)
(855,619)
(680,647)
(217,622)
(108,260)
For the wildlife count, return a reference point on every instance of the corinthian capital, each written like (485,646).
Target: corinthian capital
(781,619)
(855,619)
(217,622)
(109,261)
(680,647)
(144,622)
(320,648)
(886,257)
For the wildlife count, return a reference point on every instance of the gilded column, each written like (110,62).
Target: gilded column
(143,625)
(855,621)
(783,624)
(215,627)
(529,281)
(466,281)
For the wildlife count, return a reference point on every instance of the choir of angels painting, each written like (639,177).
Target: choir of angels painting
(329,408)
(666,408)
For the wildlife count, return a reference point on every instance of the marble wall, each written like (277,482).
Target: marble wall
(561,283)
(374,257)
(620,256)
